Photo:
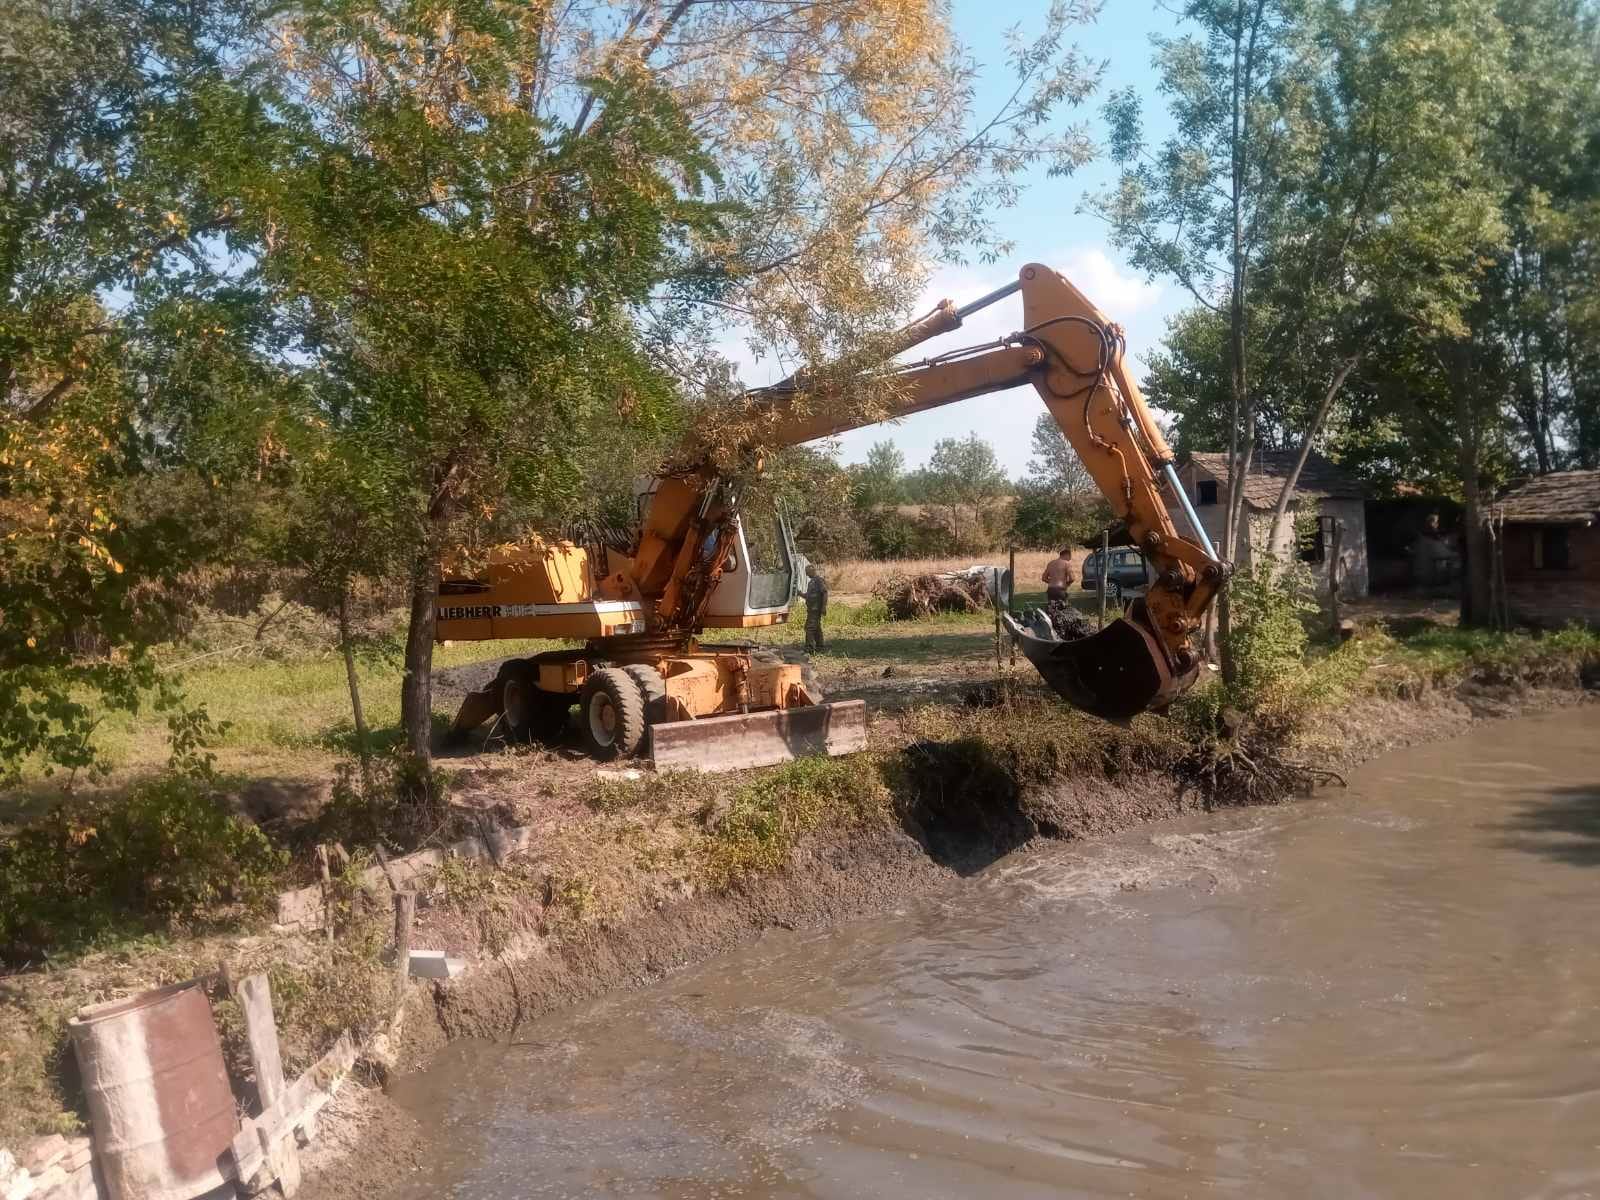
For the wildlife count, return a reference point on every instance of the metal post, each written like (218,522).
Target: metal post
(1105,565)
(1012,571)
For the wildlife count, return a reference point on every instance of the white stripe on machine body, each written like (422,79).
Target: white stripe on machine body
(478,612)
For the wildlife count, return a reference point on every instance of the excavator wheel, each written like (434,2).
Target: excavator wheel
(654,689)
(528,712)
(611,714)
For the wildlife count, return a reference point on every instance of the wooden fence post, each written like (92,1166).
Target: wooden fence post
(405,911)
(1335,563)
(261,1033)
(1105,565)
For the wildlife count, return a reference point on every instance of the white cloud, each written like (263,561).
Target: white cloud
(1118,293)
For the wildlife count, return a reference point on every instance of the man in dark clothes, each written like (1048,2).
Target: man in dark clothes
(816,605)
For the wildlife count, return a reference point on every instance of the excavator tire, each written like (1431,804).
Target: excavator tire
(528,712)
(654,689)
(611,714)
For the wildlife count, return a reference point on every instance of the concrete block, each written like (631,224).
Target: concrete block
(53,1180)
(433,964)
(44,1153)
(79,1155)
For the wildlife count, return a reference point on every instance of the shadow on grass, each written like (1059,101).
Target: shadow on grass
(1403,628)
(917,645)
(1563,825)
(340,737)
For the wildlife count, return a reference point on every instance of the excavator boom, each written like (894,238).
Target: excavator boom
(1074,358)
(643,677)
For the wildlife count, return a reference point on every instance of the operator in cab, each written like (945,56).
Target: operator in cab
(816,605)
(1058,577)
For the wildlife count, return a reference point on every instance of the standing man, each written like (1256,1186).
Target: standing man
(816,605)
(1058,577)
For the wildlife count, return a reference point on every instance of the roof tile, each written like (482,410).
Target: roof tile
(1560,498)
(1320,479)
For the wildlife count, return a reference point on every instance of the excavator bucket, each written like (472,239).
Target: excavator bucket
(759,739)
(1115,674)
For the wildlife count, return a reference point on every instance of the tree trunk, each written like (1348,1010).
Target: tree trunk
(363,740)
(1280,514)
(1475,557)
(416,689)
(1585,407)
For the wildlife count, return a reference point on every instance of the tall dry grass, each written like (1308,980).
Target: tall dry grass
(861,575)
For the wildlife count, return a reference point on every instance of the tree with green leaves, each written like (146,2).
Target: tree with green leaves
(97,238)
(963,480)
(880,480)
(1328,186)
(1055,465)
(1058,501)
(449,280)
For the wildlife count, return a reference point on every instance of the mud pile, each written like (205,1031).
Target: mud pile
(1070,624)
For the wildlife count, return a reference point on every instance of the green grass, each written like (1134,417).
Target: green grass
(287,708)
(1451,648)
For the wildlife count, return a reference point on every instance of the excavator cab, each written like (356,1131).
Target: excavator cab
(760,573)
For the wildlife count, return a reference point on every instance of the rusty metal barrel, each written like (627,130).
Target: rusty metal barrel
(158,1093)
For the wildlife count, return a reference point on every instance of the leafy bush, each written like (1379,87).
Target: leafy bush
(392,798)
(1267,641)
(168,853)
(1044,519)
(890,535)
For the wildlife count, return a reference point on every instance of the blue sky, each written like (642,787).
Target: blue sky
(1046,227)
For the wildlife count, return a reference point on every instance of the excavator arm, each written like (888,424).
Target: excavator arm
(1074,358)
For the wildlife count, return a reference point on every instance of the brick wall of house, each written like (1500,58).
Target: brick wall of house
(1583,554)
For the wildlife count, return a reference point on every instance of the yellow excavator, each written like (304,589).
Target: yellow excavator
(641,599)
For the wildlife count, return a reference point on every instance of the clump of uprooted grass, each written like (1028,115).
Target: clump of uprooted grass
(763,819)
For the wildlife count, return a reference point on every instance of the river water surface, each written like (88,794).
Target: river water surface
(1390,990)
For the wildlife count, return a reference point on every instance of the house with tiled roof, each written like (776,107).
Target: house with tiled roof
(1551,530)
(1325,493)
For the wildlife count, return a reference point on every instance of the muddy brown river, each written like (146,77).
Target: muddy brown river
(1391,990)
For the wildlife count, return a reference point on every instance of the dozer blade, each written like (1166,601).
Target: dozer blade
(1115,674)
(759,739)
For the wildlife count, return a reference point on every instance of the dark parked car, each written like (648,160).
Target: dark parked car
(1129,572)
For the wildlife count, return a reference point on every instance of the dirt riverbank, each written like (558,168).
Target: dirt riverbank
(961,807)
